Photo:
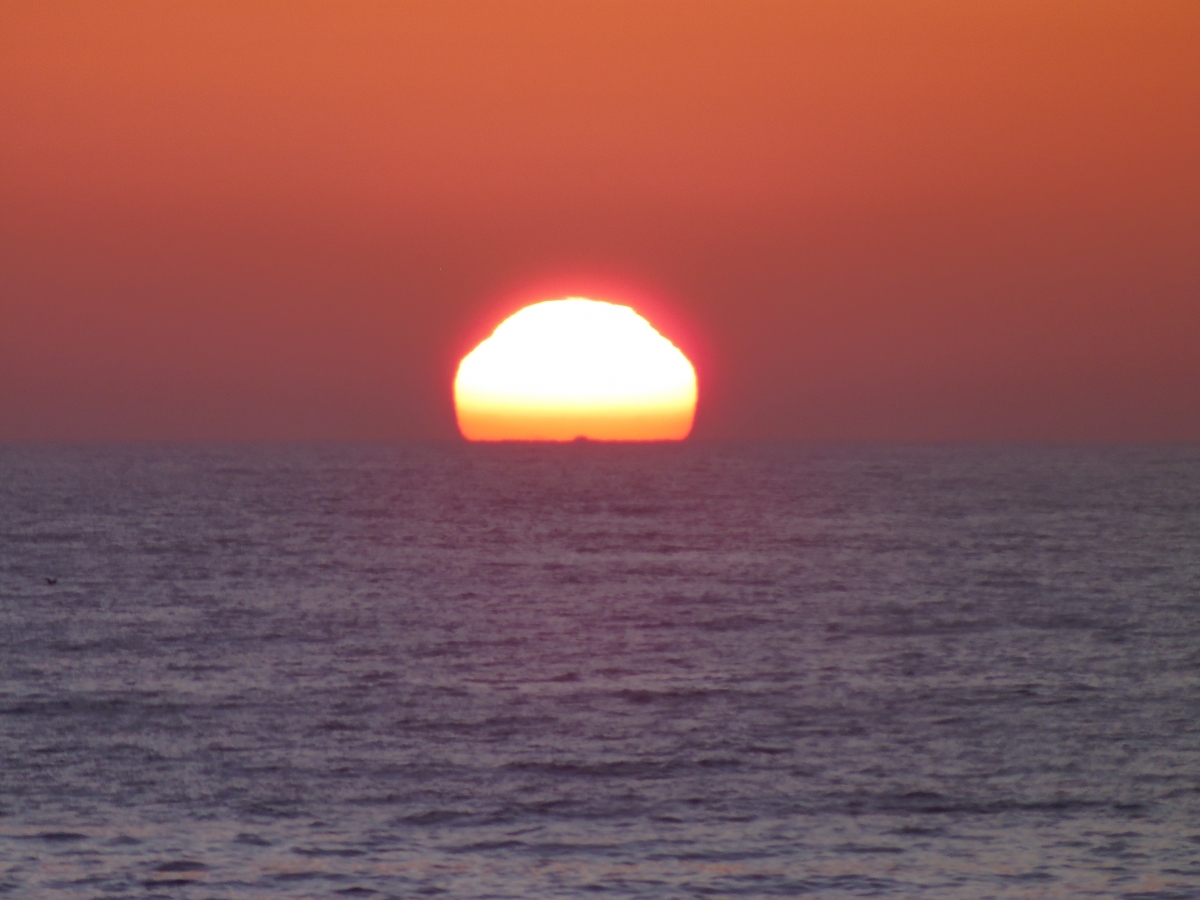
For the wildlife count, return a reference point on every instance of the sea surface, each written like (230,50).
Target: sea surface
(652,671)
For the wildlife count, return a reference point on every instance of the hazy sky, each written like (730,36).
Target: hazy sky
(962,220)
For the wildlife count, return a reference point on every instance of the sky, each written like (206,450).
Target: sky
(917,221)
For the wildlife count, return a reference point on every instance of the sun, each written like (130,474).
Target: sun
(575,368)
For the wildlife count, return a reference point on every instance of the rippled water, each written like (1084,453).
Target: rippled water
(641,671)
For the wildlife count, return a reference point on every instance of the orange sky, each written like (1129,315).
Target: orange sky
(861,220)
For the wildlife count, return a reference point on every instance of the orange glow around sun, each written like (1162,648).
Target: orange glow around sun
(566,369)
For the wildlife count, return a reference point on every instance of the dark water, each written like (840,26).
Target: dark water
(656,671)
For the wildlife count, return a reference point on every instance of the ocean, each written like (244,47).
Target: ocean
(646,671)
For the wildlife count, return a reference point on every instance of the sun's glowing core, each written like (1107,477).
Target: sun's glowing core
(566,369)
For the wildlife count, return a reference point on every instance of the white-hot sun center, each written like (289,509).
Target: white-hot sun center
(565,369)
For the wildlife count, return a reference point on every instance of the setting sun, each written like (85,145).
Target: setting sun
(575,368)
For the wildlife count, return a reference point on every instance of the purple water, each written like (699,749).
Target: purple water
(633,671)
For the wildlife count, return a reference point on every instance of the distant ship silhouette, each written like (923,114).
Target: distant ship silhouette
(51,581)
